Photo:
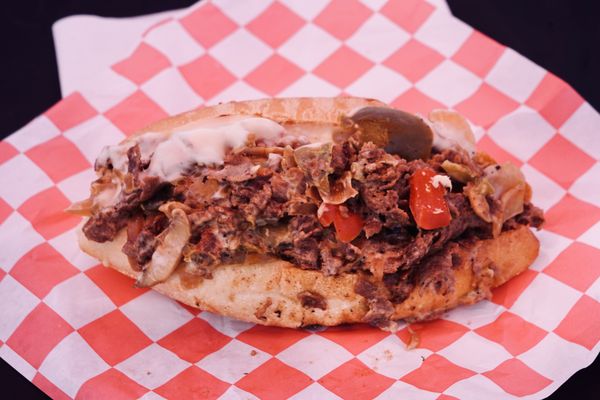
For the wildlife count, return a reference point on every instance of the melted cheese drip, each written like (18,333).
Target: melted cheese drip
(116,155)
(206,145)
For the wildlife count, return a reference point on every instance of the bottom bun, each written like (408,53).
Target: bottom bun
(268,291)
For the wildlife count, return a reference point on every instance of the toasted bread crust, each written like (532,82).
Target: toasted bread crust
(317,110)
(268,291)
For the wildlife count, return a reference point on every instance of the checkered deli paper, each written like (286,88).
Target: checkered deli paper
(79,330)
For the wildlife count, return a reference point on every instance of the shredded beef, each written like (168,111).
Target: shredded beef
(342,157)
(105,225)
(302,252)
(338,257)
(210,248)
(463,219)
(146,186)
(262,201)
(252,200)
(389,255)
(310,299)
(436,271)
(142,233)
(399,284)
(382,175)
(381,308)
(134,227)
(457,157)
(134,158)
(300,245)
(531,216)
(380,312)
(145,245)
(279,188)
(304,226)
(330,264)
(253,195)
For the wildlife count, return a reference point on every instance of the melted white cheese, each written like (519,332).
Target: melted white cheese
(207,145)
(116,155)
(203,143)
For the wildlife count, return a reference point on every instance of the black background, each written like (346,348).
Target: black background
(561,36)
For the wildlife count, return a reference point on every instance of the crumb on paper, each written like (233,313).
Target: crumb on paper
(422,359)
(388,355)
(415,339)
(253,353)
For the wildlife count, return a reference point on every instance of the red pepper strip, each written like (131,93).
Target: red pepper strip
(347,225)
(327,216)
(427,202)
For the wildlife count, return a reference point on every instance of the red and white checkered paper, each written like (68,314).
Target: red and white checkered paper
(79,330)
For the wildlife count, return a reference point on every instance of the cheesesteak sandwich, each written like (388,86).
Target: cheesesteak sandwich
(304,211)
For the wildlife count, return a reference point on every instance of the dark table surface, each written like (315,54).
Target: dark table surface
(561,36)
